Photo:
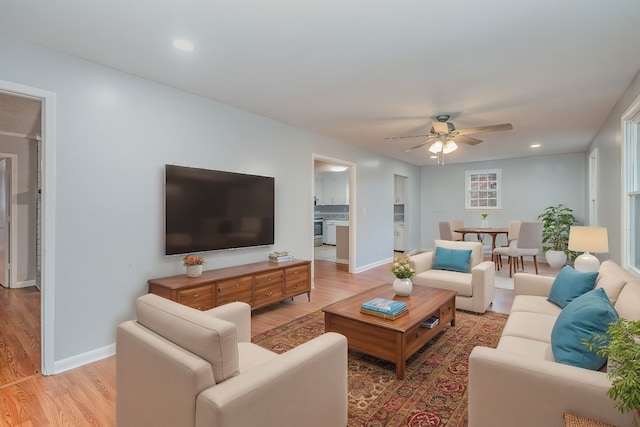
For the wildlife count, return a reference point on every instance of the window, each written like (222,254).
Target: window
(631,196)
(483,189)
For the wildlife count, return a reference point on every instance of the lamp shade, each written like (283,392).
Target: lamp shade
(436,147)
(588,239)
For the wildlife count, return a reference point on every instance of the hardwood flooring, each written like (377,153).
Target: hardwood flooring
(86,396)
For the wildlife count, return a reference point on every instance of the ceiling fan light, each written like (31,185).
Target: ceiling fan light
(436,147)
(449,147)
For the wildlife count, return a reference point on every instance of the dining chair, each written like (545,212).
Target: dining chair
(455,225)
(528,244)
(446,231)
(512,240)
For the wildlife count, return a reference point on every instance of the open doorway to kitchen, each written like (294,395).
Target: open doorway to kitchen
(333,222)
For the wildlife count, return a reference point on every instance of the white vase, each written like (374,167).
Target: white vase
(484,223)
(194,270)
(402,287)
(556,259)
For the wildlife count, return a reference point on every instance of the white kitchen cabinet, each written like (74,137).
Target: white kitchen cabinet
(399,189)
(398,237)
(319,189)
(335,188)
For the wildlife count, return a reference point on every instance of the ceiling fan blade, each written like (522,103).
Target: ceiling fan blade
(441,127)
(467,140)
(482,129)
(428,140)
(410,136)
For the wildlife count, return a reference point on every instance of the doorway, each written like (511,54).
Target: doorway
(333,200)
(33,131)
(399,209)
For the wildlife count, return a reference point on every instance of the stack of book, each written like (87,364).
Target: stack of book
(385,308)
(280,256)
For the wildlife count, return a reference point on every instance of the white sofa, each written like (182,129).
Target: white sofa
(177,366)
(520,384)
(475,290)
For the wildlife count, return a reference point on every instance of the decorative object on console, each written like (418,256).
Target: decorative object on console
(194,265)
(588,239)
(402,269)
(557,221)
(280,256)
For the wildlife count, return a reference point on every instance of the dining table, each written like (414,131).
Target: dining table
(491,231)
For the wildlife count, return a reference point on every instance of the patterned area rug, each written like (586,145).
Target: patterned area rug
(434,390)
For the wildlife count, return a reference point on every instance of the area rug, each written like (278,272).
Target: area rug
(434,390)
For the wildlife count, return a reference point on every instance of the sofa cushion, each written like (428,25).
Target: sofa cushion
(628,302)
(526,347)
(612,278)
(534,304)
(208,337)
(452,259)
(442,279)
(586,315)
(570,284)
(533,326)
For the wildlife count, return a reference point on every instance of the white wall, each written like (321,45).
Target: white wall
(114,134)
(529,185)
(609,144)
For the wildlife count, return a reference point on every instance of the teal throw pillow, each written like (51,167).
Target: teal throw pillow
(587,314)
(452,259)
(570,284)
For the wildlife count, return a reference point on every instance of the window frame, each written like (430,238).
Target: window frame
(468,190)
(631,187)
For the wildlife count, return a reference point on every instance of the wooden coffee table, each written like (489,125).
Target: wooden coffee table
(392,340)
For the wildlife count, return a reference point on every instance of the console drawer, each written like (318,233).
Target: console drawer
(200,297)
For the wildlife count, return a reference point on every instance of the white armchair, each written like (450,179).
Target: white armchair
(177,366)
(475,289)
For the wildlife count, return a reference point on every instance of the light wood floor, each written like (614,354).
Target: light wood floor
(86,395)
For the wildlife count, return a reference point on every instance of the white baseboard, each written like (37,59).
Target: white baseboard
(24,284)
(73,362)
(373,265)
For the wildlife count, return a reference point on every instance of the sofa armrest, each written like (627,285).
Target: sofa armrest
(238,313)
(307,386)
(422,261)
(483,277)
(506,389)
(532,284)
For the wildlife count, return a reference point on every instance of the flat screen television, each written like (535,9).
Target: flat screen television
(210,210)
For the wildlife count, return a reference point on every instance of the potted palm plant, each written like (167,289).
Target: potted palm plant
(557,220)
(621,345)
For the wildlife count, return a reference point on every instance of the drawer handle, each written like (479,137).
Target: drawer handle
(195,295)
(295,272)
(295,286)
(237,284)
(269,293)
(270,278)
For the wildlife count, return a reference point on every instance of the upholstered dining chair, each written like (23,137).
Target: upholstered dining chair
(528,244)
(512,241)
(446,231)
(455,225)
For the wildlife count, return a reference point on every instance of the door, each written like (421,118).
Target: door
(5,223)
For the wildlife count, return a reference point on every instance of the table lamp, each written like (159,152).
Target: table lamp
(588,239)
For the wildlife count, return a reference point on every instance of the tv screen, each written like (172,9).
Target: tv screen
(210,210)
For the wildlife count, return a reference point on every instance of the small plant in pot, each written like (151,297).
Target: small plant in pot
(557,220)
(621,345)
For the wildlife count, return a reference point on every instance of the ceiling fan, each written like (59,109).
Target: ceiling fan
(444,136)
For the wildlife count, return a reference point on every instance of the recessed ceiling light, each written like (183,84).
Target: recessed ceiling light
(183,44)
(535,145)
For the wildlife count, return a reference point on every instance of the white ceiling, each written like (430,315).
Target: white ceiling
(362,70)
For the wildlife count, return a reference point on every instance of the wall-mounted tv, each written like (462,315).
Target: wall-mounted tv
(210,210)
